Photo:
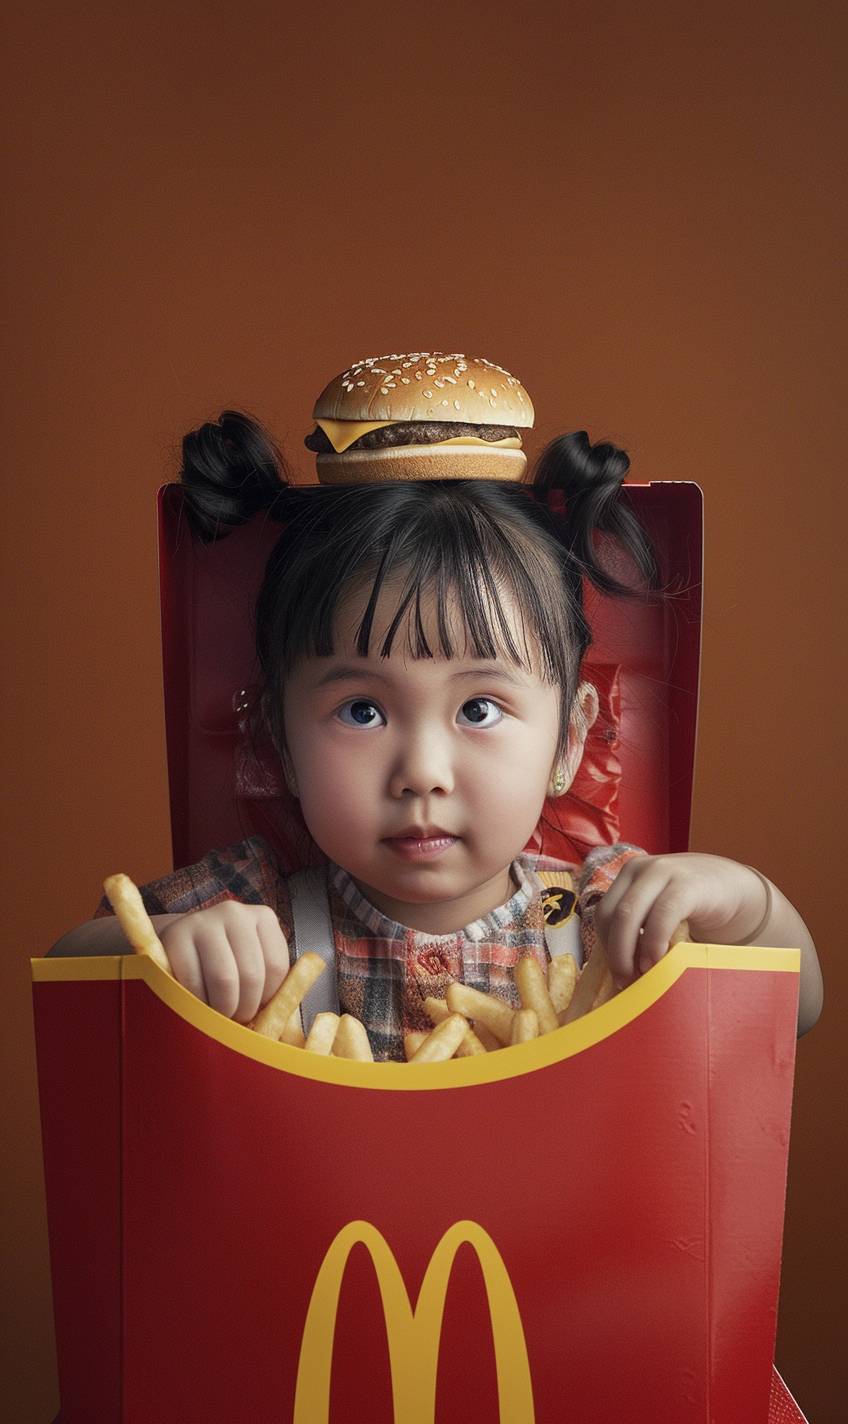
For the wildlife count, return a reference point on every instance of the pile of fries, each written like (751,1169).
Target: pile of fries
(466,1022)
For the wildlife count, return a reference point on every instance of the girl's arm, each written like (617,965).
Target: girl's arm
(724,903)
(101,936)
(784,929)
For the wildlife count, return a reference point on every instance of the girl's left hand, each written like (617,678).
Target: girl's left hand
(722,901)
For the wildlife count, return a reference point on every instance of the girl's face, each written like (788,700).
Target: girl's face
(378,745)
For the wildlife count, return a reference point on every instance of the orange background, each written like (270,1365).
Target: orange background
(637,209)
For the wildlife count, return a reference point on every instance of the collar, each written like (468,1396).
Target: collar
(481,929)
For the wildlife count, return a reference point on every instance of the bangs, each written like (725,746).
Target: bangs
(467,568)
(467,602)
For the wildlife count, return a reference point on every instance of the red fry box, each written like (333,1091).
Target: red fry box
(584,1227)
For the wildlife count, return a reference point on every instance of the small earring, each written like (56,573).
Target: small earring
(559,781)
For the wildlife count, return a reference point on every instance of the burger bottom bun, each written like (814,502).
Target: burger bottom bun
(422,462)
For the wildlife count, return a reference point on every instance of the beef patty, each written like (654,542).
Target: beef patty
(410,432)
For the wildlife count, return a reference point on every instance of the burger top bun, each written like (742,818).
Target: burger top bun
(426,385)
(422,415)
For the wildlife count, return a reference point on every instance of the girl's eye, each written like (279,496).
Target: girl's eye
(477,703)
(362,712)
(355,709)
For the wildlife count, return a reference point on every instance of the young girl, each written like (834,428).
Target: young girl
(420,645)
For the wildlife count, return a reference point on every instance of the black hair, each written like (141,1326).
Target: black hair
(451,535)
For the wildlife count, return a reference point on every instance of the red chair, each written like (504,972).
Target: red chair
(198,1112)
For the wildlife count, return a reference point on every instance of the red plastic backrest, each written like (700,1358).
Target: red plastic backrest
(646,656)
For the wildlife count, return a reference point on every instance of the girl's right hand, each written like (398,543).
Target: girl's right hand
(232,956)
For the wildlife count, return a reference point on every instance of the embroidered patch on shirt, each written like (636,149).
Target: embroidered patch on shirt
(558,904)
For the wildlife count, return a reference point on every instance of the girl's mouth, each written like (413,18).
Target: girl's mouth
(412,848)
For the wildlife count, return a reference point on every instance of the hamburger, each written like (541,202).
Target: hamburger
(425,415)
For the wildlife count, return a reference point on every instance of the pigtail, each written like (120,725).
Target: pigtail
(590,477)
(230,469)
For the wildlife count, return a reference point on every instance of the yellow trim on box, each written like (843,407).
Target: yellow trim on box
(100,966)
(456,1072)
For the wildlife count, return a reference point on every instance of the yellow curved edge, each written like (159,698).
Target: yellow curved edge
(456,1072)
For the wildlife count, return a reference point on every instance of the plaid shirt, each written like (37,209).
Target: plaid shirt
(385,970)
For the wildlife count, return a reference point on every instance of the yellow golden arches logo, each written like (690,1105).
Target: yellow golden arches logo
(413,1335)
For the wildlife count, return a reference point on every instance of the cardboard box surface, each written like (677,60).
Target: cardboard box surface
(609,1202)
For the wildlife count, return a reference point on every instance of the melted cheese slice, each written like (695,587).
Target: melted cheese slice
(342,433)
(509,442)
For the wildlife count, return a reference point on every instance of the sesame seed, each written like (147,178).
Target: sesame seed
(457,405)
(384,391)
(359,383)
(472,384)
(440,384)
(418,376)
(428,395)
(404,380)
(444,402)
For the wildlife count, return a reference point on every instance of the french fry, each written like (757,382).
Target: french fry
(525,1025)
(438,1011)
(589,985)
(322,1033)
(487,1038)
(412,1041)
(494,1013)
(562,979)
(606,990)
(293,1033)
(351,1040)
(442,1041)
(273,1019)
(530,982)
(126,901)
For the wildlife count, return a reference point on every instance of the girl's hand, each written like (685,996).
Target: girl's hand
(232,956)
(722,901)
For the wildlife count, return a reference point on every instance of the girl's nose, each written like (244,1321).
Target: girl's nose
(421,770)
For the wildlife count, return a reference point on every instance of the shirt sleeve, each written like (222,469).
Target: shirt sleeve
(247,871)
(597,874)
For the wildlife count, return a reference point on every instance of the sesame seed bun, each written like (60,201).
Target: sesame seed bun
(424,388)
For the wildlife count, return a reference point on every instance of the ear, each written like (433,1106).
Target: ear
(584,713)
